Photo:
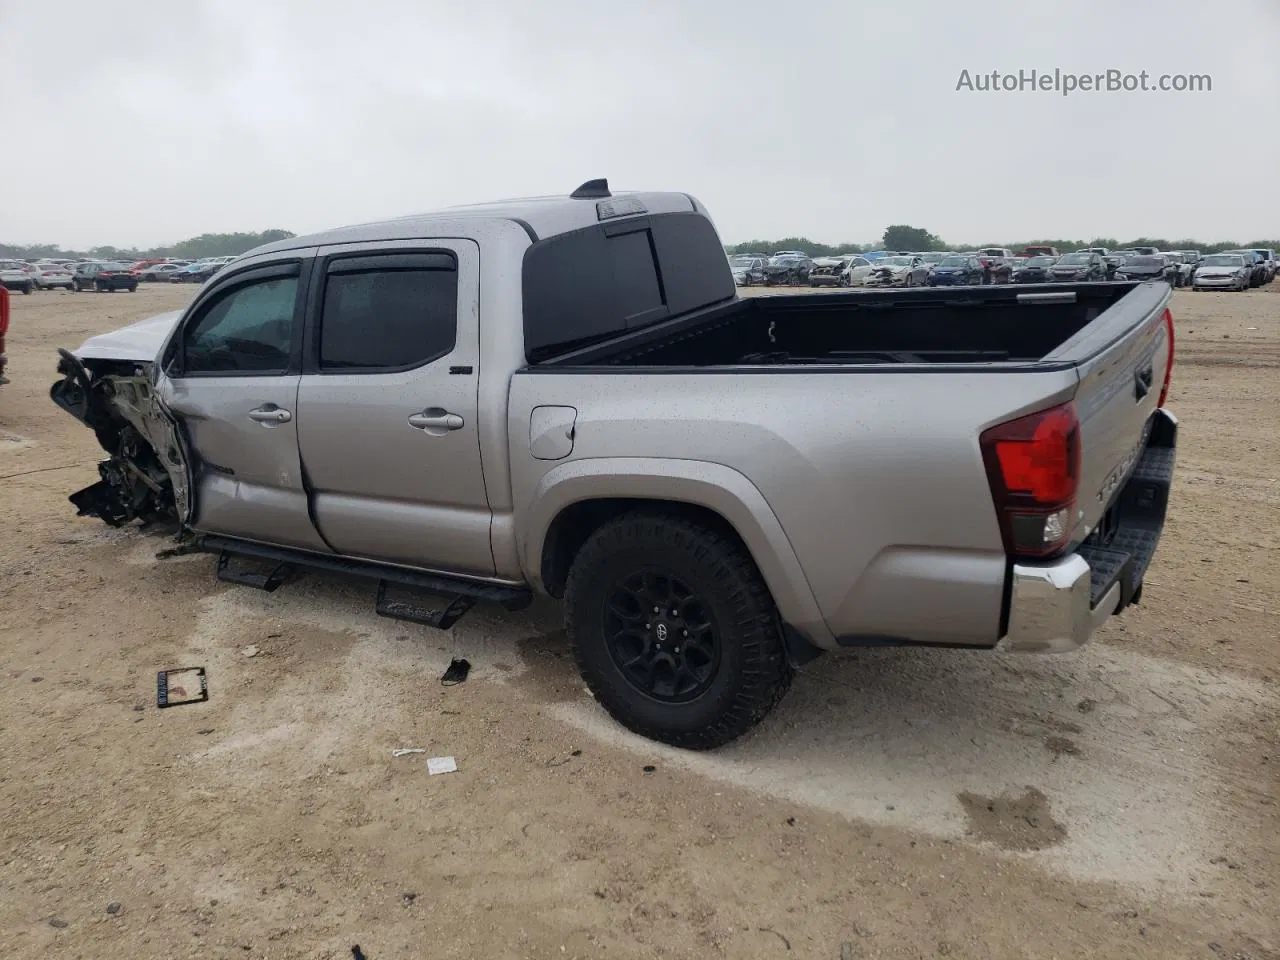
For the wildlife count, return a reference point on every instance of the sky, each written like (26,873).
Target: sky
(829,120)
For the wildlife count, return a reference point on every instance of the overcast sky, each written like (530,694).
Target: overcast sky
(830,120)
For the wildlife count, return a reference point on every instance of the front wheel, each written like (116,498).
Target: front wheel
(674,630)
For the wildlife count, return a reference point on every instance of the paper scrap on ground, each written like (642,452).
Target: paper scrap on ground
(441,765)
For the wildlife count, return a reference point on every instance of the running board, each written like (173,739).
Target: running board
(460,594)
(268,580)
(456,609)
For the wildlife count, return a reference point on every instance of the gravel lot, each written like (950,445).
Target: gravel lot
(1118,802)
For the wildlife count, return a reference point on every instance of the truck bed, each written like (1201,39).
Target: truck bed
(921,327)
(858,417)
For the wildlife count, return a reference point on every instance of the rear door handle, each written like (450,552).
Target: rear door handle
(436,421)
(269,413)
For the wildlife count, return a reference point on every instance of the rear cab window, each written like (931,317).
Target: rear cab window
(589,285)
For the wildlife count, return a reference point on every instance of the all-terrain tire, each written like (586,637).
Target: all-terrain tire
(752,672)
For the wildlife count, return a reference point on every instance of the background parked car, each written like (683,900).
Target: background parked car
(1183,265)
(1078,266)
(103,277)
(160,271)
(1149,267)
(200,271)
(855,272)
(787,270)
(829,271)
(902,271)
(1219,271)
(956,270)
(747,271)
(1268,261)
(1033,269)
(16,275)
(51,275)
(1257,267)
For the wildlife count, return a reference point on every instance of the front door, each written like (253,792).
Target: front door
(387,408)
(232,382)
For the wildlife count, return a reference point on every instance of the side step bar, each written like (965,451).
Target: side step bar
(269,580)
(281,564)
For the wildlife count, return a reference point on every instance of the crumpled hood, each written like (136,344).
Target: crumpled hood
(139,341)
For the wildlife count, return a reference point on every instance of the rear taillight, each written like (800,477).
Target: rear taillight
(1033,466)
(1168,370)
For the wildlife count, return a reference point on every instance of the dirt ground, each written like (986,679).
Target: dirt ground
(1118,802)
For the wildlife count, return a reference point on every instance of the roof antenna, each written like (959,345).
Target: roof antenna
(592,190)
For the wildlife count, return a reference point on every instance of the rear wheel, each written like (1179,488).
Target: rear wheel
(674,630)
(28,288)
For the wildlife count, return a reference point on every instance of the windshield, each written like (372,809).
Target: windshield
(1222,260)
(740,262)
(932,257)
(1145,262)
(1076,258)
(113,267)
(895,261)
(954,262)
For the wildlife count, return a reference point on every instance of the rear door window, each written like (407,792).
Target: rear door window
(387,313)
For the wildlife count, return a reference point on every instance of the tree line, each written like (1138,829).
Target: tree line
(918,239)
(194,248)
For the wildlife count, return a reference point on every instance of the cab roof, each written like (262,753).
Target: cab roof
(540,217)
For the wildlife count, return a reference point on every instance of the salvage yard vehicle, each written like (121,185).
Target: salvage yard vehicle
(1149,267)
(1078,267)
(830,271)
(747,271)
(956,271)
(1033,269)
(16,275)
(787,270)
(1257,266)
(48,275)
(904,271)
(1218,271)
(439,403)
(103,277)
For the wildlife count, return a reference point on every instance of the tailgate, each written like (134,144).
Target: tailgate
(1127,351)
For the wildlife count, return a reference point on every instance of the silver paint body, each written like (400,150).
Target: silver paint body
(861,494)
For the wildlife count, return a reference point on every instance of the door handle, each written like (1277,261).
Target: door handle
(436,421)
(269,414)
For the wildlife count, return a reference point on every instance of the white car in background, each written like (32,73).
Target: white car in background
(49,275)
(1221,271)
(161,271)
(901,271)
(16,275)
(855,272)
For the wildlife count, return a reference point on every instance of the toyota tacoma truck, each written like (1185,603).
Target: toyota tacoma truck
(565,396)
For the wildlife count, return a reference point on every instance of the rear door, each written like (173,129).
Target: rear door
(231,381)
(387,407)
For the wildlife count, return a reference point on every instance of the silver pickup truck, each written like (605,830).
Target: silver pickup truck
(565,396)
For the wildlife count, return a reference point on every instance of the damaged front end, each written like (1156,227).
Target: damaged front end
(145,477)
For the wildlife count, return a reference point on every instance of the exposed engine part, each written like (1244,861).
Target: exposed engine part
(145,477)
